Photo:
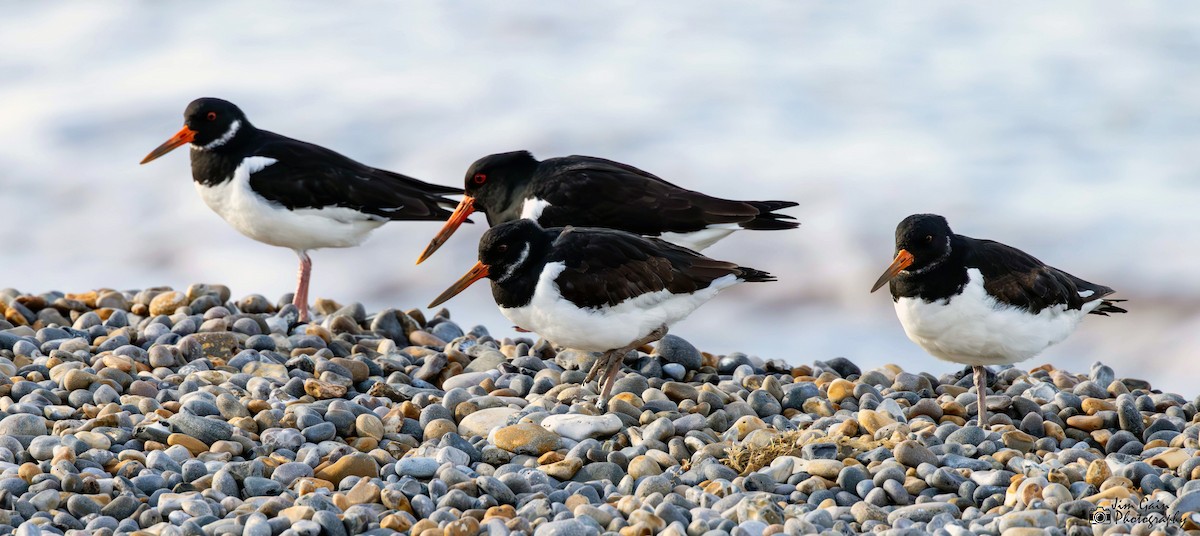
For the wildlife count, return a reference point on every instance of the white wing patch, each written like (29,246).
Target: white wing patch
(698,240)
(1086,293)
(604,328)
(974,329)
(271,223)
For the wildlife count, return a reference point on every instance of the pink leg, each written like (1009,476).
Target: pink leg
(300,300)
(608,379)
(981,387)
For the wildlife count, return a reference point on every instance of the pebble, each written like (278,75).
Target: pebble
(525,438)
(176,412)
(579,427)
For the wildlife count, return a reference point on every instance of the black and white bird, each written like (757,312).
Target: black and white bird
(293,194)
(595,289)
(584,191)
(979,302)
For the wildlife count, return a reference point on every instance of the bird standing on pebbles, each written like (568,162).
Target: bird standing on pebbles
(596,290)
(980,302)
(593,192)
(293,194)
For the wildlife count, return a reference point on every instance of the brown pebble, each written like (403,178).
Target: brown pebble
(1086,423)
(467,526)
(1052,429)
(1018,440)
(504,511)
(195,446)
(323,390)
(394,522)
(954,409)
(424,338)
(439,427)
(1092,405)
(840,389)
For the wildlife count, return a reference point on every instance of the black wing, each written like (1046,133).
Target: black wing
(310,176)
(606,267)
(594,192)
(1017,278)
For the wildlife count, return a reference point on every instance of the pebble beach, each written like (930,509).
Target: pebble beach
(194,412)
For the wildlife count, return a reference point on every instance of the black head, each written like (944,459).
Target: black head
(492,178)
(208,124)
(213,120)
(508,248)
(506,251)
(922,242)
(489,187)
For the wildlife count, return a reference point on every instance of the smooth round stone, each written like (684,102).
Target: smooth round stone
(673,349)
(256,486)
(283,438)
(913,454)
(967,435)
(320,432)
(764,404)
(482,422)
(23,424)
(579,427)
(675,371)
(417,467)
(796,394)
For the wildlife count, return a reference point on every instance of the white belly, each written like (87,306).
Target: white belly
(974,329)
(271,223)
(605,328)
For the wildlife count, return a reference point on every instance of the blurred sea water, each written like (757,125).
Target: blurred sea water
(1070,130)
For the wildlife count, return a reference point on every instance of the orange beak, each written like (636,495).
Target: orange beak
(477,272)
(185,135)
(464,209)
(903,260)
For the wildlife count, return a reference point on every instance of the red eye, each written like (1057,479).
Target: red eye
(479,178)
(212,116)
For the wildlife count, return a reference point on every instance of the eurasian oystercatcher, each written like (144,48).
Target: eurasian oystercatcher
(595,289)
(293,194)
(584,191)
(979,302)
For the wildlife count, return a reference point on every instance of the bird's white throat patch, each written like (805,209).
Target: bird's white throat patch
(228,135)
(512,268)
(932,265)
(532,208)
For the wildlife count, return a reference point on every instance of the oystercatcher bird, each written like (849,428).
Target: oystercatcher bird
(293,194)
(979,302)
(595,289)
(584,191)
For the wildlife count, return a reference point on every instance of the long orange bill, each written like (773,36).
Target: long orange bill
(477,272)
(464,209)
(903,260)
(185,135)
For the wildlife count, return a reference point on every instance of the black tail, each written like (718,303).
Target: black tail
(1108,306)
(767,220)
(753,276)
